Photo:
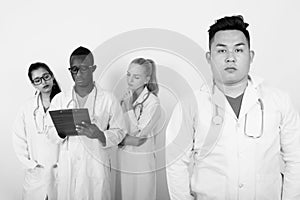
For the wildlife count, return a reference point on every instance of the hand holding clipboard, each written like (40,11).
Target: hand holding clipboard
(65,120)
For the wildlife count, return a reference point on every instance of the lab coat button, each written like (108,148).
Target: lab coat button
(241,185)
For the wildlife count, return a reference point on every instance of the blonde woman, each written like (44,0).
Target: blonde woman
(141,107)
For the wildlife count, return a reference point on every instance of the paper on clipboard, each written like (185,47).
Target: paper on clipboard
(65,120)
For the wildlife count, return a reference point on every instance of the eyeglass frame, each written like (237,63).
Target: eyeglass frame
(42,78)
(79,68)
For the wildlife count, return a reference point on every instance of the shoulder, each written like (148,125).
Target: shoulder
(105,96)
(29,103)
(273,93)
(153,99)
(275,98)
(59,98)
(105,93)
(27,107)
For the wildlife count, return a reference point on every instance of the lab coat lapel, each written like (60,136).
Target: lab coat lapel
(70,99)
(251,95)
(250,99)
(141,97)
(38,104)
(89,104)
(220,100)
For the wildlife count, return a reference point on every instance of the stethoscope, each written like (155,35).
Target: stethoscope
(35,115)
(141,105)
(76,105)
(217,119)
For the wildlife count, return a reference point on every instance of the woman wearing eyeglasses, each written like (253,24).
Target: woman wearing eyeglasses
(141,107)
(36,153)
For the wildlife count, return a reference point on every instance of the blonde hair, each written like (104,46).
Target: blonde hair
(150,67)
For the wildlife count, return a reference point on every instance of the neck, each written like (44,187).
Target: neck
(83,91)
(233,90)
(137,93)
(45,96)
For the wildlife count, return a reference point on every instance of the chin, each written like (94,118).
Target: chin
(131,88)
(46,91)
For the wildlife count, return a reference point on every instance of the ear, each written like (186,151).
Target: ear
(251,56)
(94,68)
(208,57)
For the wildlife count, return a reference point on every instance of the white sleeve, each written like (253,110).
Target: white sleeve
(290,146)
(20,142)
(178,155)
(117,129)
(147,121)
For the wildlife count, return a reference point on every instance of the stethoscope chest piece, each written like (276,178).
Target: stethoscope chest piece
(217,120)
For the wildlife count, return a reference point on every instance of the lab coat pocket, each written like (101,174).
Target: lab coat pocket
(204,183)
(268,187)
(34,177)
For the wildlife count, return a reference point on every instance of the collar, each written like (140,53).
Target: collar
(71,92)
(70,95)
(142,96)
(251,94)
(38,101)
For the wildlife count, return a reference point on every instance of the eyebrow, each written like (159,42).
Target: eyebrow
(41,76)
(223,45)
(133,74)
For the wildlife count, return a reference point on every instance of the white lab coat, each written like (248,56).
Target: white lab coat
(33,148)
(238,167)
(138,163)
(84,164)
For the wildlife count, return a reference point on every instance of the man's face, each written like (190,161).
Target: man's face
(85,69)
(230,57)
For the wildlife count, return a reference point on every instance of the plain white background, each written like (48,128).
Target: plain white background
(48,31)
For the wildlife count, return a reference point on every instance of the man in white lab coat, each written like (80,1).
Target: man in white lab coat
(84,164)
(229,143)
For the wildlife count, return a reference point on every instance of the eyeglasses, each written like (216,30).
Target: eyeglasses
(38,80)
(75,69)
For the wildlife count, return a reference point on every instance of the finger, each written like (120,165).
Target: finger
(80,129)
(129,92)
(85,124)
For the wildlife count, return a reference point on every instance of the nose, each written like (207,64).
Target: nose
(78,72)
(130,79)
(230,57)
(43,81)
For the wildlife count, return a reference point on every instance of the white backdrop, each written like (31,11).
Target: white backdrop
(48,31)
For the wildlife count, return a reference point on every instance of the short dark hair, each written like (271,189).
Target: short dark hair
(82,51)
(37,65)
(235,22)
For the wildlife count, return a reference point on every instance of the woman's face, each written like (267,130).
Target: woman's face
(42,80)
(136,77)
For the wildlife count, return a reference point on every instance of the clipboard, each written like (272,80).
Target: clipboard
(65,120)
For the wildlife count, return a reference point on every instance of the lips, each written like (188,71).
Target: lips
(46,86)
(230,69)
(79,80)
